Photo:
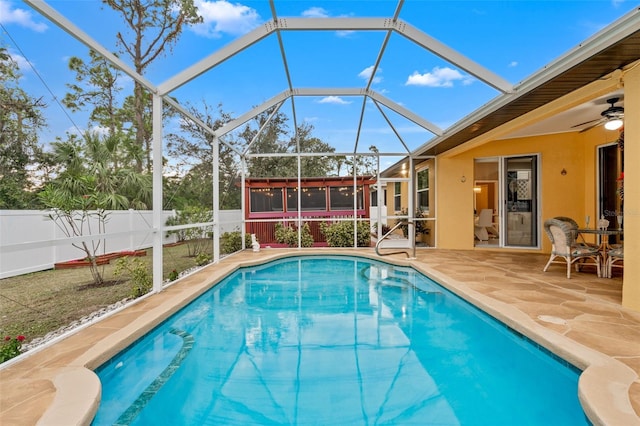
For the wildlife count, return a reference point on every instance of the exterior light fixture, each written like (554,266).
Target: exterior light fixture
(614,124)
(477,189)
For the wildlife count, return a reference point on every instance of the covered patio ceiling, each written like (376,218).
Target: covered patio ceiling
(609,50)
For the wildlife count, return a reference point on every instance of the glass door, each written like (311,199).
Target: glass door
(486,196)
(520,179)
(609,202)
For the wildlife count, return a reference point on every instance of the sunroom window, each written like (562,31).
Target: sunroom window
(266,200)
(341,197)
(314,198)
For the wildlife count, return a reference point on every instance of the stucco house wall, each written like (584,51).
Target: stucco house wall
(572,194)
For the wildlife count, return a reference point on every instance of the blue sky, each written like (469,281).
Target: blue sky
(513,39)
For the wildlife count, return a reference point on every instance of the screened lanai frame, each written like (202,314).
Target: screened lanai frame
(160,96)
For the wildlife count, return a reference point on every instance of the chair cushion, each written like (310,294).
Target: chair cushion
(616,252)
(581,250)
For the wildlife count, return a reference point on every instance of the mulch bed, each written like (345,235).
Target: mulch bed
(100,260)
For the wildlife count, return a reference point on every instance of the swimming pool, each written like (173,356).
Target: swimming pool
(337,340)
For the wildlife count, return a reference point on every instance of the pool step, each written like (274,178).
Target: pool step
(389,276)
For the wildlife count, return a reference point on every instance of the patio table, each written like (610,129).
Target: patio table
(603,243)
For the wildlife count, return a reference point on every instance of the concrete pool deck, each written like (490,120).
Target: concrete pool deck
(580,319)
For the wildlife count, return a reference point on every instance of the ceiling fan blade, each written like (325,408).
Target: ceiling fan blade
(586,122)
(599,122)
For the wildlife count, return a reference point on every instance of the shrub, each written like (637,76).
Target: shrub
(231,242)
(11,347)
(340,234)
(289,235)
(173,275)
(202,259)
(385,228)
(197,238)
(420,225)
(141,278)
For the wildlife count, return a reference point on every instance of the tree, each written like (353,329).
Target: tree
(96,89)
(87,185)
(96,85)
(313,166)
(94,157)
(156,26)
(192,153)
(76,216)
(271,141)
(364,165)
(197,239)
(20,121)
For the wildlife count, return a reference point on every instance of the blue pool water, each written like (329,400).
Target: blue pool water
(335,341)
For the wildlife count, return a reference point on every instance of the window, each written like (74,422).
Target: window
(374,197)
(266,200)
(314,198)
(397,196)
(292,199)
(341,197)
(423,189)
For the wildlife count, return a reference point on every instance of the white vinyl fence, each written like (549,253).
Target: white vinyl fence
(31,242)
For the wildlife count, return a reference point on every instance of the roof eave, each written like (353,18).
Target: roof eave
(613,48)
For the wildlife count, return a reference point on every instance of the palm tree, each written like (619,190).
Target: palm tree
(95,175)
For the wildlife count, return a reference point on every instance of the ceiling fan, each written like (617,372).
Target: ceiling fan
(611,117)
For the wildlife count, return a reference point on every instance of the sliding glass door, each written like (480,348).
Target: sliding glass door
(508,187)
(520,177)
(609,202)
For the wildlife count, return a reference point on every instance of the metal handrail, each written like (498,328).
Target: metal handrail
(384,237)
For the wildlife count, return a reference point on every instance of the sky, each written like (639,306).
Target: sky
(512,39)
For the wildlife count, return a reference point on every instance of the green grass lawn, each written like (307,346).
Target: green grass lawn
(38,303)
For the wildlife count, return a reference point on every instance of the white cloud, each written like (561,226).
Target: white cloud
(21,61)
(315,12)
(438,77)
(344,33)
(366,74)
(222,17)
(99,130)
(124,81)
(73,130)
(513,64)
(20,17)
(333,100)
(319,12)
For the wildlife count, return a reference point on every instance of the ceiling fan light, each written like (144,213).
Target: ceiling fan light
(614,124)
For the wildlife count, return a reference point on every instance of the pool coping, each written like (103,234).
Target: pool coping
(67,391)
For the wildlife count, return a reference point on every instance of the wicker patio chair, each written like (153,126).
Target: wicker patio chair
(574,231)
(564,246)
(614,256)
(574,225)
